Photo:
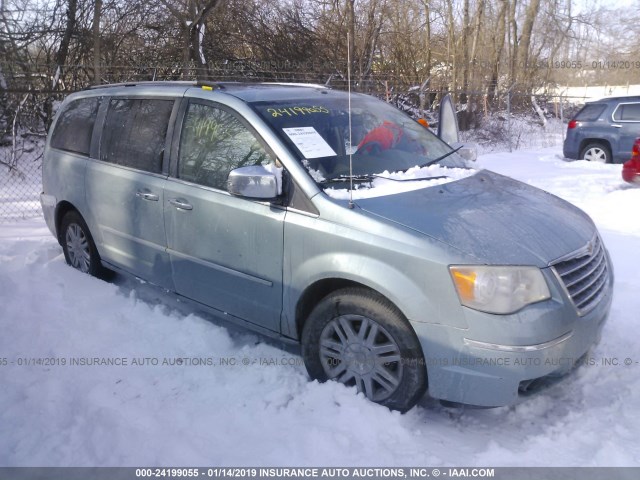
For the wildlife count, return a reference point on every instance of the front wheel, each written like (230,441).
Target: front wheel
(359,338)
(596,152)
(79,249)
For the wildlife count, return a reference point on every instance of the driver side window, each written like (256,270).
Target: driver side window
(214,142)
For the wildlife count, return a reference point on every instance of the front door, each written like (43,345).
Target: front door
(226,252)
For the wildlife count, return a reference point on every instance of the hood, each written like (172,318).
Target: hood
(496,219)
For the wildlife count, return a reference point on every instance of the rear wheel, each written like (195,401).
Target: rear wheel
(596,152)
(357,337)
(79,249)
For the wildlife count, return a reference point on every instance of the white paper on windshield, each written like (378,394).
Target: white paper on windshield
(309,142)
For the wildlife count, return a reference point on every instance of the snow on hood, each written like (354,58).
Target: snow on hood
(384,186)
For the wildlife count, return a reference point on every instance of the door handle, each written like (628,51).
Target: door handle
(147,196)
(180,204)
(616,126)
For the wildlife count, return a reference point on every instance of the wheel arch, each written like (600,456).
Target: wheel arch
(318,290)
(321,288)
(62,209)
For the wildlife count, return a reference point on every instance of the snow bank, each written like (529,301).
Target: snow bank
(268,414)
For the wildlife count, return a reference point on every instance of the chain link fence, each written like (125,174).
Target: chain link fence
(506,121)
(20,182)
(22,139)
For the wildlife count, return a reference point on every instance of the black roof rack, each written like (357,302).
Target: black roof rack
(162,83)
(208,83)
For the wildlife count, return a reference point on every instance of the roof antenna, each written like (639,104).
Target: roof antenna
(350,145)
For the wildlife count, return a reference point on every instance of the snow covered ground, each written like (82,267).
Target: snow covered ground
(266,414)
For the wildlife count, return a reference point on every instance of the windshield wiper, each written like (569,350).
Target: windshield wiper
(363,178)
(441,157)
(368,178)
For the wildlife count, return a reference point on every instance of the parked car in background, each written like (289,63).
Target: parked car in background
(631,168)
(334,221)
(604,131)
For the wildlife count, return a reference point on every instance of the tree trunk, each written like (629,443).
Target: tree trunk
(525,42)
(4,106)
(465,51)
(192,26)
(196,34)
(186,51)
(351,19)
(427,15)
(498,47)
(61,59)
(97,15)
(451,53)
(63,50)
(513,43)
(425,83)
(476,35)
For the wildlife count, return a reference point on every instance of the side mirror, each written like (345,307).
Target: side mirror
(448,121)
(253,182)
(468,151)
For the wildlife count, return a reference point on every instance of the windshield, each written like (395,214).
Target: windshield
(383,139)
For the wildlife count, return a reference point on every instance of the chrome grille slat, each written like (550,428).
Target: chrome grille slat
(578,289)
(595,293)
(584,276)
(573,268)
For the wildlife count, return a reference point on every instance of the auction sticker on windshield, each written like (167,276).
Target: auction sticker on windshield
(309,142)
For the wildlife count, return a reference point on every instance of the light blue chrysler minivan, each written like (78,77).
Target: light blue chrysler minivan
(339,223)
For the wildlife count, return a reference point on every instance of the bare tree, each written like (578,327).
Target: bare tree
(191,16)
(63,50)
(524,43)
(97,15)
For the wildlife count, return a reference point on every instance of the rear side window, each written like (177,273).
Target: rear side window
(628,111)
(590,113)
(74,127)
(134,133)
(214,142)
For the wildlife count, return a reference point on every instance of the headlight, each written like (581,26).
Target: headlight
(499,289)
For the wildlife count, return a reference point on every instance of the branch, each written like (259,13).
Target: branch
(210,5)
(174,11)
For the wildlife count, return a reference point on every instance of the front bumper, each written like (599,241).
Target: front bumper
(486,364)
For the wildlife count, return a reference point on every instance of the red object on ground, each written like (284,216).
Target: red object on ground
(631,169)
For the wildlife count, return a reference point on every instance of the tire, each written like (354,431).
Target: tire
(596,152)
(79,249)
(338,340)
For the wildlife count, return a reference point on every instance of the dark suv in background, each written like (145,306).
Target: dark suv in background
(604,131)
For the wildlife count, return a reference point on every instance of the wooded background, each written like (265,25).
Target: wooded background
(475,49)
(495,57)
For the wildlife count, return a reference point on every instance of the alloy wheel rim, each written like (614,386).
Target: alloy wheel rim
(596,155)
(78,248)
(356,350)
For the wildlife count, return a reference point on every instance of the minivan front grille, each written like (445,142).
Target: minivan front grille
(585,275)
